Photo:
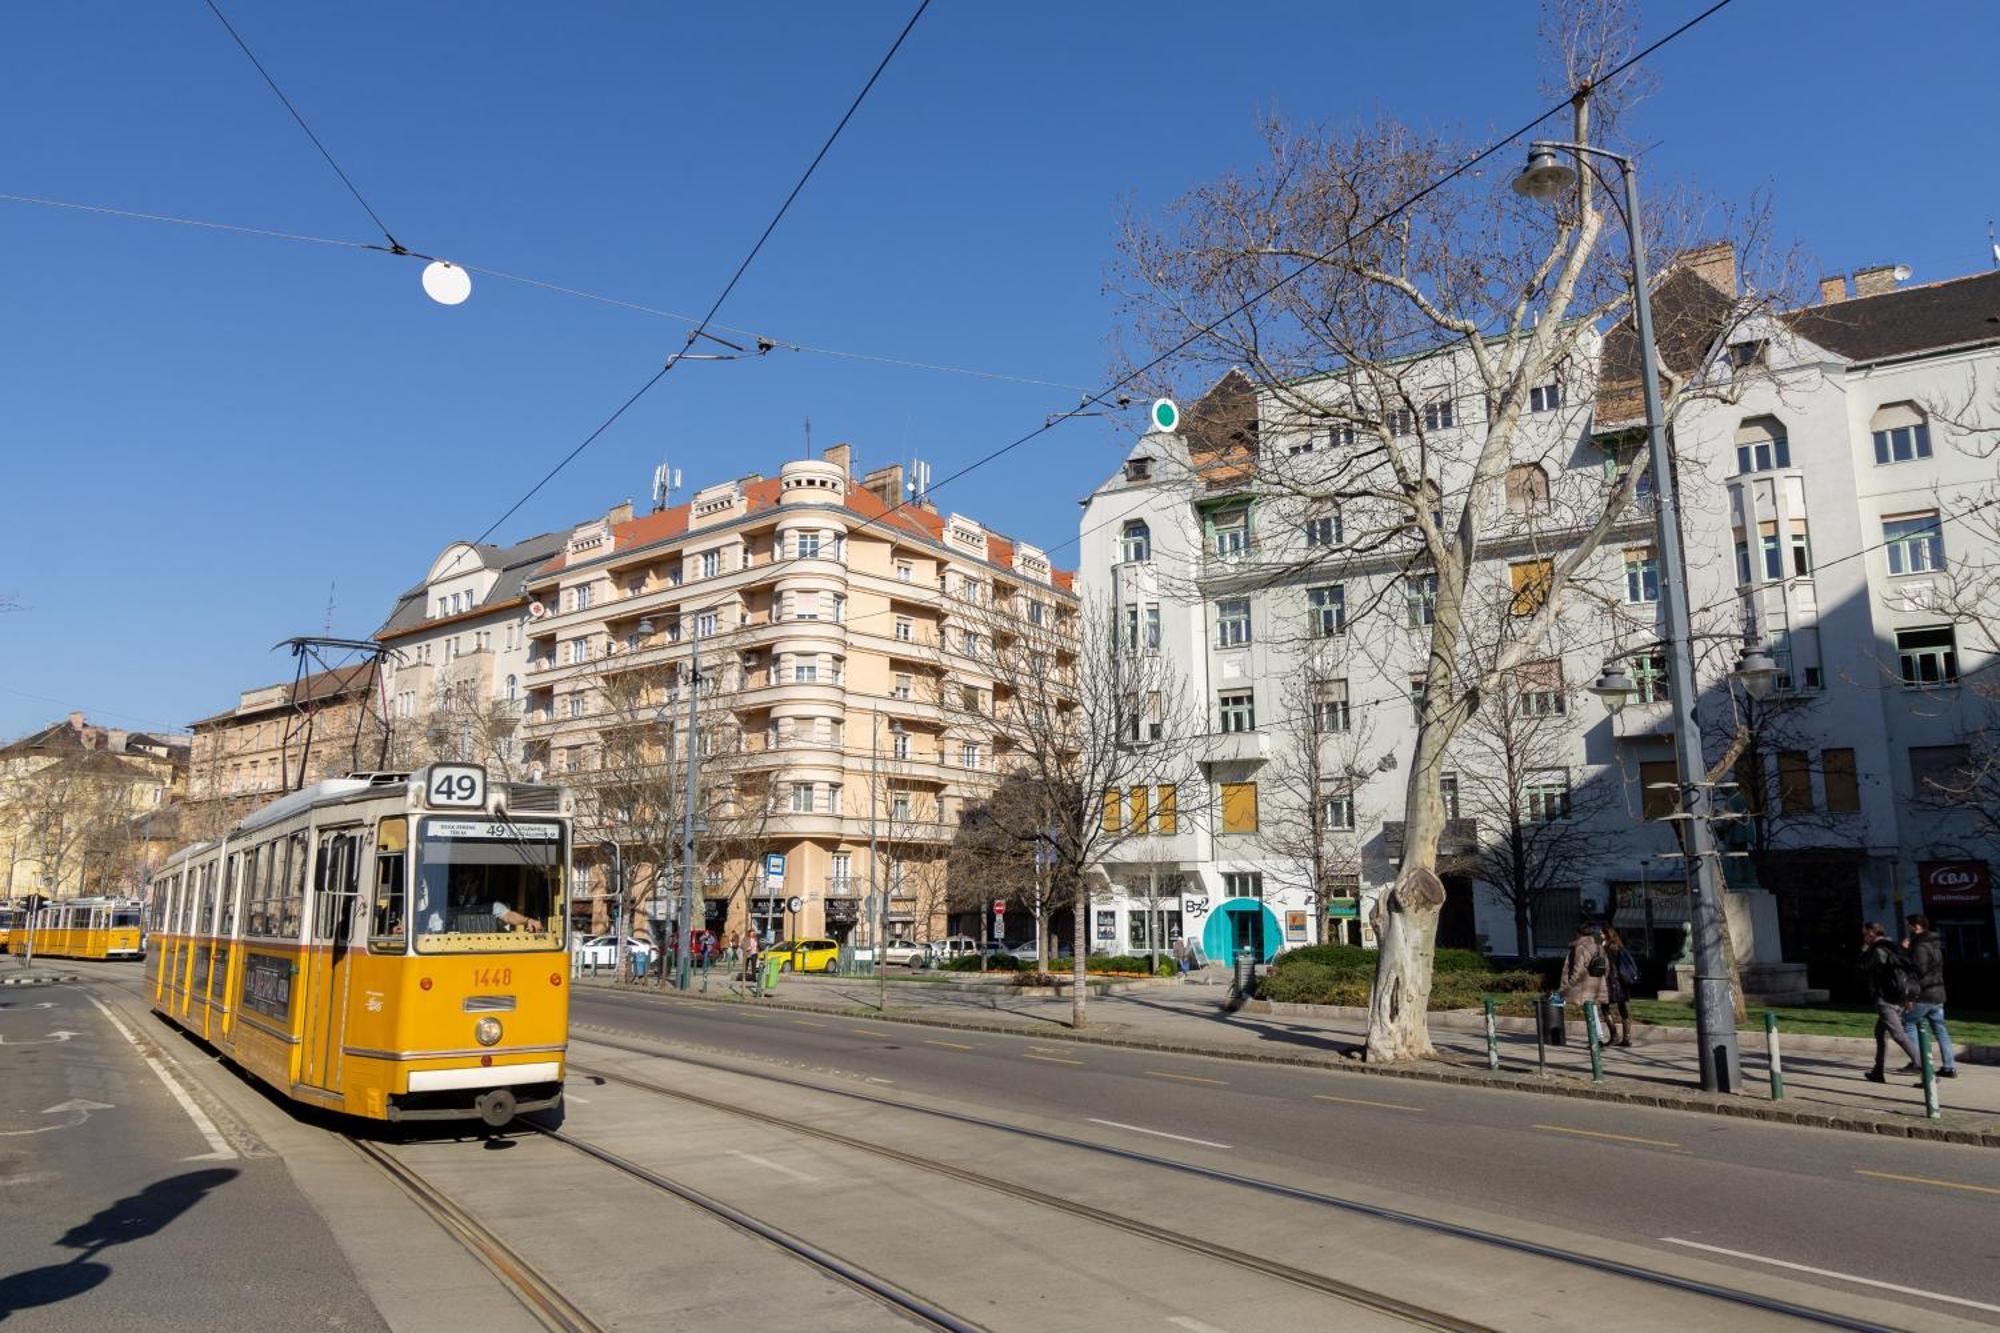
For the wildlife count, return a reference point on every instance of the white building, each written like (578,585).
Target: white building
(1838,457)
(455,676)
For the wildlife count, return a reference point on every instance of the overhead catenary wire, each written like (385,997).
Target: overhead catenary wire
(345,179)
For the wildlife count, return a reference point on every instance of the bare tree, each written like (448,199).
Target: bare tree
(1397,365)
(461,725)
(1316,775)
(1537,831)
(71,816)
(1079,721)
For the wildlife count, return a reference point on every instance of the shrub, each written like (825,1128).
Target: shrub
(1309,982)
(998,962)
(1341,958)
(1119,962)
(1462,960)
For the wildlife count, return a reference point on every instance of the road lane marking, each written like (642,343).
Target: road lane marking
(808,1023)
(218,1147)
(889,1081)
(1927,1180)
(768,1164)
(956,1046)
(1193,1325)
(1358,1101)
(1050,1059)
(1157,1133)
(1187,1078)
(1616,1138)
(1831,1273)
(864,1032)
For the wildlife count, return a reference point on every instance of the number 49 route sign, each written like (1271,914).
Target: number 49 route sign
(456,785)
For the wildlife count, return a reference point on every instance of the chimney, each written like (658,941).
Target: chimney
(1714,265)
(1879,280)
(619,513)
(842,457)
(885,484)
(76,721)
(1833,290)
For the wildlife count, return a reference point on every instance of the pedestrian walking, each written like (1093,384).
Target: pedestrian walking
(1585,971)
(1892,985)
(750,955)
(1621,974)
(1926,954)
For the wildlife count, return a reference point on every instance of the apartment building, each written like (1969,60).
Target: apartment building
(79,804)
(456,658)
(279,738)
(1817,482)
(829,622)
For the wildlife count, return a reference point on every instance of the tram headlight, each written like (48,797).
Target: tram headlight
(487,1030)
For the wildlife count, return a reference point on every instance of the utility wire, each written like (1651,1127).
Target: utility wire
(701,328)
(787,344)
(381,226)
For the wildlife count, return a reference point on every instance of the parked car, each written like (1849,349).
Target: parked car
(951,946)
(806,955)
(1028,953)
(601,951)
(904,953)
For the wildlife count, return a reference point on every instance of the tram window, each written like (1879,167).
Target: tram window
(124,918)
(292,905)
(234,876)
(385,929)
(476,892)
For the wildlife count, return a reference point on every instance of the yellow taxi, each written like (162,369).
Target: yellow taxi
(805,955)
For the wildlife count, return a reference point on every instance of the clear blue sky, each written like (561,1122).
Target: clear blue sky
(201,432)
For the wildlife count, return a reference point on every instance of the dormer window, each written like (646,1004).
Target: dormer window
(1139,468)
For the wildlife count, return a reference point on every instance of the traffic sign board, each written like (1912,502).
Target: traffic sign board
(1166,414)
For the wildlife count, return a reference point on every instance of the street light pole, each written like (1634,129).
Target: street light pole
(1714,1004)
(692,787)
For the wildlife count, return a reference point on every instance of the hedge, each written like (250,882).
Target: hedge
(999,962)
(1349,959)
(1308,982)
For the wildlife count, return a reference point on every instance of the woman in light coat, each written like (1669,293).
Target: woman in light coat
(1586,971)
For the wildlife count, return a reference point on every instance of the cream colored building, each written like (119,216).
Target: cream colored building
(280,738)
(829,624)
(77,805)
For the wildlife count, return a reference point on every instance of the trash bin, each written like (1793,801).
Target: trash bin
(770,986)
(1245,977)
(1549,1016)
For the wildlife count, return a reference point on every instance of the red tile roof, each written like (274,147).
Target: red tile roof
(911,520)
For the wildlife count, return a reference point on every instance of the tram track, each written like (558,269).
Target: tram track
(1330,1286)
(539,1296)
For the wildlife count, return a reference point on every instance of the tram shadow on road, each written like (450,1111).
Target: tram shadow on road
(132,1218)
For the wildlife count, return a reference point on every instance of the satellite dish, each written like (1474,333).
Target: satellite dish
(1902,273)
(446,283)
(536,610)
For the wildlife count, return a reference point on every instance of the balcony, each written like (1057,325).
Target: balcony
(1233,747)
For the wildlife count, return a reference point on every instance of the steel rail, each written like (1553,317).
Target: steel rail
(899,1299)
(1318,1282)
(540,1297)
(1435,1226)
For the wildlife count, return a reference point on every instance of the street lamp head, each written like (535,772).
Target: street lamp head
(645,626)
(1756,672)
(1546,175)
(1613,687)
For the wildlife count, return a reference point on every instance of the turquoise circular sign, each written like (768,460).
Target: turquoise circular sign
(1166,416)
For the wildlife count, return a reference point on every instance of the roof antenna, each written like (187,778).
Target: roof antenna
(666,480)
(809,437)
(331,585)
(1992,244)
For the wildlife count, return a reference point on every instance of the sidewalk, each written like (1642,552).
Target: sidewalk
(1823,1087)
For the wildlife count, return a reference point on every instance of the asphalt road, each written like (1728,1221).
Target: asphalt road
(121,1204)
(1906,1214)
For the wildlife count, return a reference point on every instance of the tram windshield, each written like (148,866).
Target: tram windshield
(484,886)
(125,917)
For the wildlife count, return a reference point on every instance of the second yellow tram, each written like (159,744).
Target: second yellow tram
(76,928)
(387,945)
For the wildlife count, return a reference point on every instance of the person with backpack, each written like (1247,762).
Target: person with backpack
(1621,974)
(1892,983)
(1585,971)
(1926,954)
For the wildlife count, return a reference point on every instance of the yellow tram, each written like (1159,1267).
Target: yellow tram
(78,928)
(386,945)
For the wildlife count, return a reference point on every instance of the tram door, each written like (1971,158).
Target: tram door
(335,891)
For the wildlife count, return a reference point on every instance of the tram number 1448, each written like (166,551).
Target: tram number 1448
(493,976)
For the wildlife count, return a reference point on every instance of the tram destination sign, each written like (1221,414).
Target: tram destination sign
(456,784)
(486,828)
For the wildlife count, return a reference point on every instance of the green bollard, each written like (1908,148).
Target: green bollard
(1492,1039)
(1596,1048)
(1772,1058)
(1931,1109)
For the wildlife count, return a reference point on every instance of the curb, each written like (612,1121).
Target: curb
(1437,1072)
(39,981)
(1469,1020)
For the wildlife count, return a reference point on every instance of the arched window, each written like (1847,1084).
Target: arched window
(1761,445)
(1137,543)
(1527,489)
(1901,432)
(512,684)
